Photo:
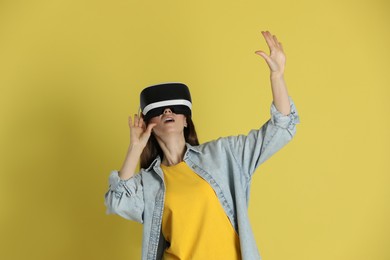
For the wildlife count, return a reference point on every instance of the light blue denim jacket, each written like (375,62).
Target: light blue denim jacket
(227,164)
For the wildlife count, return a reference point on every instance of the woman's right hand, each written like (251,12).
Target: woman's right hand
(139,133)
(139,136)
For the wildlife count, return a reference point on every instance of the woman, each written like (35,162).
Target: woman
(192,199)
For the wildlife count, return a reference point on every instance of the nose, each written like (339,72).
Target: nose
(167,111)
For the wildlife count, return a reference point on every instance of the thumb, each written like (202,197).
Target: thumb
(262,54)
(150,127)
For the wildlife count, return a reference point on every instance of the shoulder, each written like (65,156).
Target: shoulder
(218,144)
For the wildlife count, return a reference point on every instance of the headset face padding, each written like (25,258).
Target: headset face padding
(156,98)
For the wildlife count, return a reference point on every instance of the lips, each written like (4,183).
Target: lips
(168,120)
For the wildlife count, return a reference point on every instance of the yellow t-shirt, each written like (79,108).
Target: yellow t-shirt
(194,222)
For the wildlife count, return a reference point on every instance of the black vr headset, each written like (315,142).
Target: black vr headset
(156,98)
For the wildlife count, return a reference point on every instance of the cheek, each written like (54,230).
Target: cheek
(154,120)
(182,118)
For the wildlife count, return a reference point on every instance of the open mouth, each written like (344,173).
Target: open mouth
(169,120)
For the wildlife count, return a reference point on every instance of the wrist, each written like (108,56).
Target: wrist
(135,148)
(276,75)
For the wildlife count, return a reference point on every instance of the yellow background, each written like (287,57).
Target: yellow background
(71,72)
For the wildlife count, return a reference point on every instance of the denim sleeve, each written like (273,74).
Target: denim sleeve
(125,197)
(253,149)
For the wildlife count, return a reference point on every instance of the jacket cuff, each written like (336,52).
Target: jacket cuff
(119,186)
(283,121)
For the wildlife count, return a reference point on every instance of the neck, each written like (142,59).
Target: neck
(173,149)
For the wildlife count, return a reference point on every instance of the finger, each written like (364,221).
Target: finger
(264,55)
(276,41)
(136,120)
(130,121)
(269,40)
(281,46)
(272,37)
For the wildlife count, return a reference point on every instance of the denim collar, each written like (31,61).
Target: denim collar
(156,162)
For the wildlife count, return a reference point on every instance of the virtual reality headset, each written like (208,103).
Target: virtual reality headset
(155,99)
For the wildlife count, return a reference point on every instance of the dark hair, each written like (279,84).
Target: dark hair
(153,149)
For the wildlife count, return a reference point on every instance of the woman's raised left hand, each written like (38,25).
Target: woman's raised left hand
(276,60)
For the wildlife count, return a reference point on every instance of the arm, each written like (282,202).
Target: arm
(139,135)
(253,149)
(276,62)
(258,145)
(125,194)
(125,197)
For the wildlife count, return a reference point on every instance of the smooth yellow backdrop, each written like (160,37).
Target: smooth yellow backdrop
(71,72)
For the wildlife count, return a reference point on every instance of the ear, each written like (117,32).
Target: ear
(185,121)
